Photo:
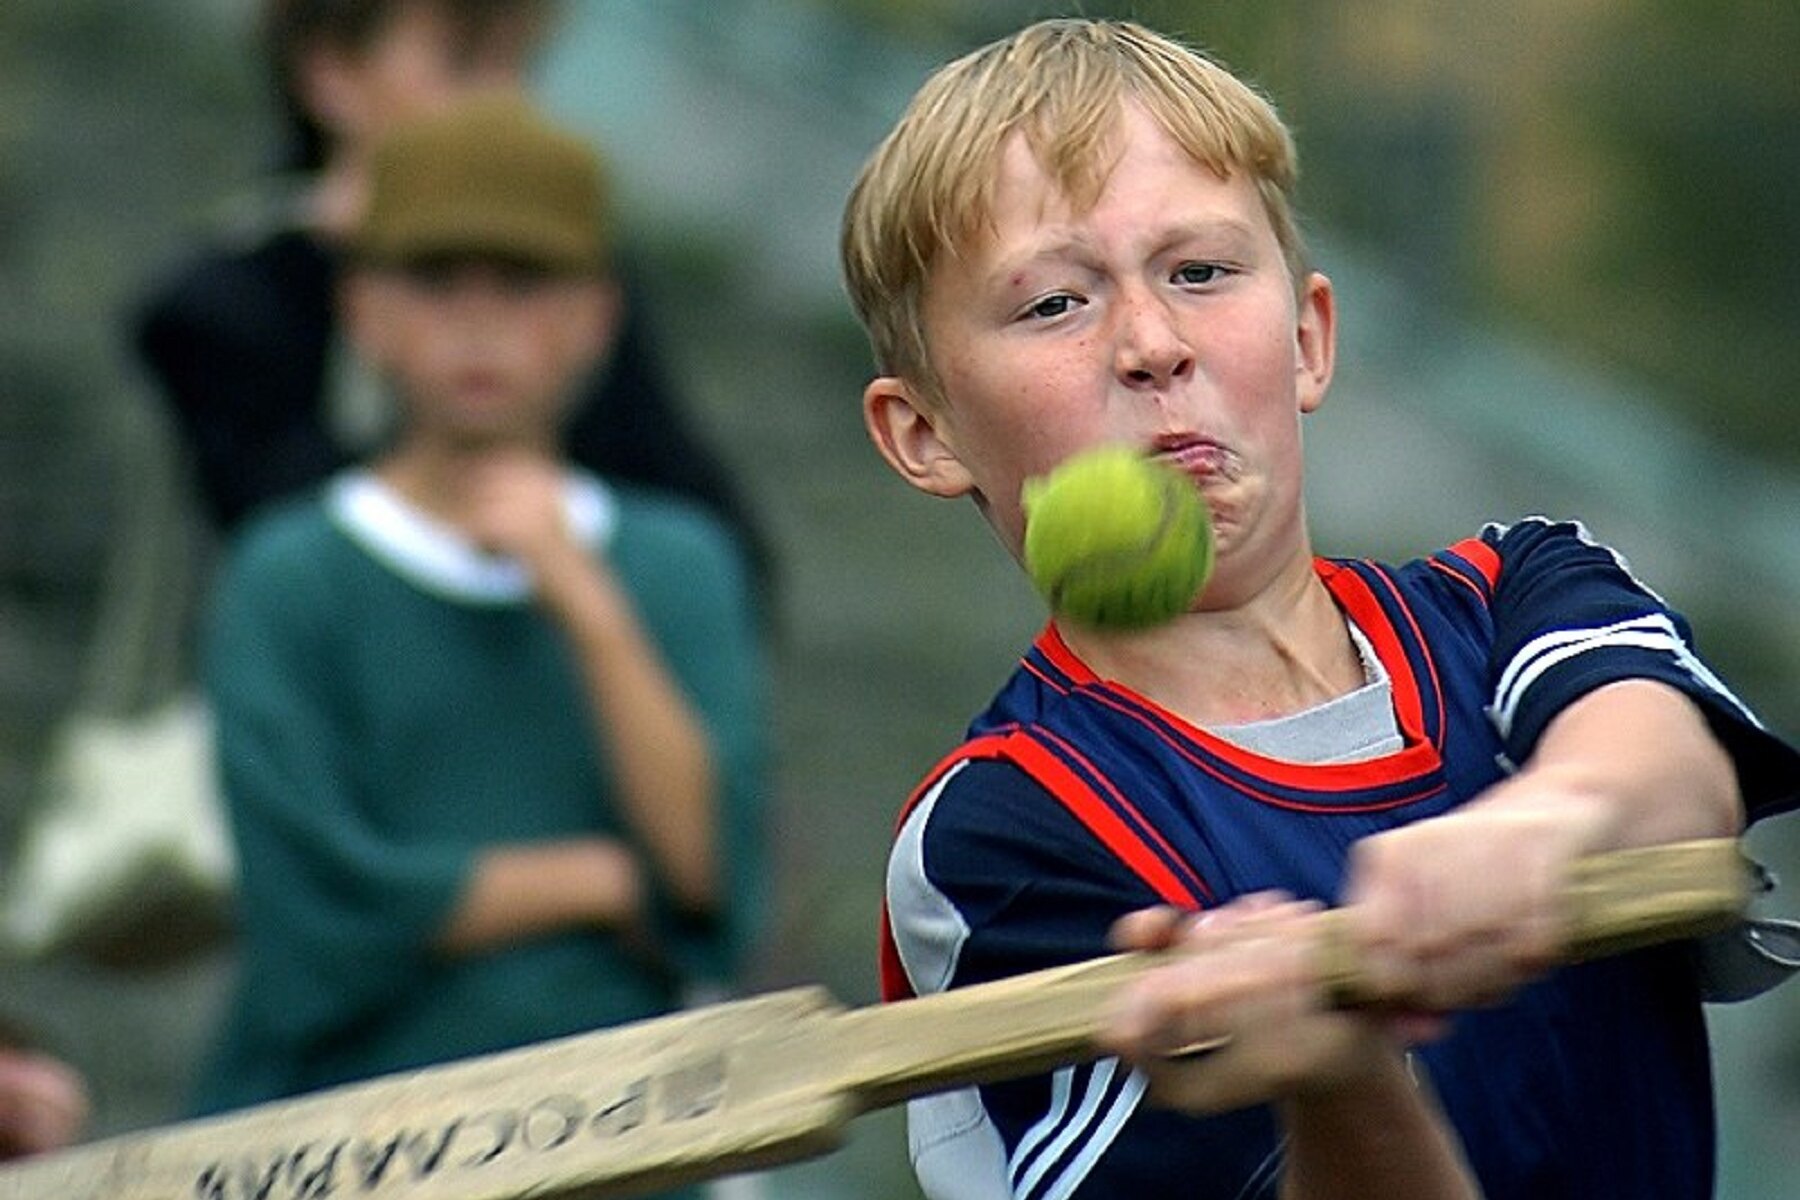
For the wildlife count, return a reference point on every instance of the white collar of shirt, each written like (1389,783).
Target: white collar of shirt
(440,559)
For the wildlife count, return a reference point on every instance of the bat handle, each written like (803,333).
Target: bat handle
(1613,902)
(1011,1027)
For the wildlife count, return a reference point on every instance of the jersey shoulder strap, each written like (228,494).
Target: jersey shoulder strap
(1075,783)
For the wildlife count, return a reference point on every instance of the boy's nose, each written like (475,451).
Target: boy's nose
(476,294)
(1151,352)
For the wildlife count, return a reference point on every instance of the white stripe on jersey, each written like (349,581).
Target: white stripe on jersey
(1265,1178)
(1116,1115)
(1095,1123)
(956,1151)
(1062,1085)
(1498,530)
(1653,631)
(928,930)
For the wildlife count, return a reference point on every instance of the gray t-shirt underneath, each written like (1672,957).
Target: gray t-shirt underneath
(1354,727)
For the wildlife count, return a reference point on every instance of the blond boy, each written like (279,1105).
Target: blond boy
(1083,234)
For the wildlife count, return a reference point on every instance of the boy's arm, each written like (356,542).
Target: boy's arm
(1383,1136)
(1623,737)
(1462,908)
(659,749)
(1356,1121)
(657,744)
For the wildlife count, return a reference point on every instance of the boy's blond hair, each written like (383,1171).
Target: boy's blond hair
(928,187)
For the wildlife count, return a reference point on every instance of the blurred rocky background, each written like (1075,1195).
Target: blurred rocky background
(1564,236)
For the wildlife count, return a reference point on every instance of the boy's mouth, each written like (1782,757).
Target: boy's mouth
(1199,457)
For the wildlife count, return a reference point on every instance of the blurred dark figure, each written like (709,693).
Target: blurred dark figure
(243,338)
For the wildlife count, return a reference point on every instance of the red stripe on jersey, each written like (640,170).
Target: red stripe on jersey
(894,983)
(1418,639)
(1152,868)
(1085,803)
(1353,592)
(1418,760)
(1481,556)
(1050,643)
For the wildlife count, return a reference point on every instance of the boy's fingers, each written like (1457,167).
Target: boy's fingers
(1222,962)
(42,1104)
(1148,928)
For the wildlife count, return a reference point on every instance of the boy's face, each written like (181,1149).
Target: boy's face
(420,60)
(1163,318)
(480,353)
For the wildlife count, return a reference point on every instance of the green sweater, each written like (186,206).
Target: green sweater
(389,702)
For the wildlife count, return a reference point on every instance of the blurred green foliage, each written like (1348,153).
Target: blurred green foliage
(1620,180)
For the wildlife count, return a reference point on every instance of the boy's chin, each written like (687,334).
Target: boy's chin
(477,437)
(479,425)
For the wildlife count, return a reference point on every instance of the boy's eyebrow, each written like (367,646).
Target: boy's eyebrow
(1055,249)
(1229,227)
(1061,245)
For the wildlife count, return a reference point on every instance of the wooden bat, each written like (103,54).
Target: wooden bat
(741,1085)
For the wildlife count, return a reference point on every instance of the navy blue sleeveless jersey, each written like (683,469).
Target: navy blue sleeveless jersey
(1075,800)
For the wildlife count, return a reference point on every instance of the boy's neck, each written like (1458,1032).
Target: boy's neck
(434,476)
(1288,651)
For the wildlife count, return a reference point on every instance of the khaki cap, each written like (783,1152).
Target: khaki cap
(486,176)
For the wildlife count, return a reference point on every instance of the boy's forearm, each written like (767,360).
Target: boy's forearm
(1639,757)
(1465,907)
(516,892)
(658,746)
(1385,1136)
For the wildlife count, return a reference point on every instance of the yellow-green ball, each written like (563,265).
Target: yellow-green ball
(1115,540)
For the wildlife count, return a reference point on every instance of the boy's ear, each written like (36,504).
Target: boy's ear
(363,300)
(911,438)
(605,313)
(329,85)
(1315,341)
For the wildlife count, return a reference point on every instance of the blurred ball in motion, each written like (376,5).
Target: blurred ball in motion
(1115,540)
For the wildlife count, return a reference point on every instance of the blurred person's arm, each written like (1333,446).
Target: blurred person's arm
(658,747)
(516,892)
(340,914)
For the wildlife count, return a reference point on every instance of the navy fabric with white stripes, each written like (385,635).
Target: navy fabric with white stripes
(1075,801)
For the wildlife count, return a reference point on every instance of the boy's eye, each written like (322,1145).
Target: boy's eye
(1198,273)
(432,276)
(521,278)
(1052,306)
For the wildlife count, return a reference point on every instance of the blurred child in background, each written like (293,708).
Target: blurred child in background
(491,726)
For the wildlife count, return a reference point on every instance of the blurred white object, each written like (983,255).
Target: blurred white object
(125,858)
(128,855)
